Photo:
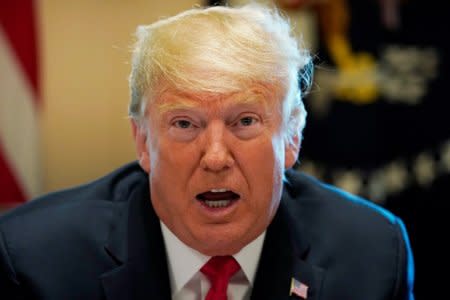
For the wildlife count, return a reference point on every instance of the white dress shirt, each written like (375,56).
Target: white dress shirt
(188,283)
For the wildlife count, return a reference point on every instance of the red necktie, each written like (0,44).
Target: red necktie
(219,270)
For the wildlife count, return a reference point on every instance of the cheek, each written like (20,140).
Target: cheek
(165,153)
(273,168)
(263,168)
(168,184)
(268,156)
(172,166)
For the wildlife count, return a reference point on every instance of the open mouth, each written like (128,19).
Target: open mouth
(218,198)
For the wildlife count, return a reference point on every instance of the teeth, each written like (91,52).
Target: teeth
(218,190)
(217,203)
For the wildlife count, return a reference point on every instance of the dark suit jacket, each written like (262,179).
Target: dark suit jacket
(103,241)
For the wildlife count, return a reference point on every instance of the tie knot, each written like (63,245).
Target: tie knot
(219,270)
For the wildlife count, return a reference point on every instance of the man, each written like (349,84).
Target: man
(211,209)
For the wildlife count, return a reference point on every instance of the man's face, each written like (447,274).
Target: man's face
(215,165)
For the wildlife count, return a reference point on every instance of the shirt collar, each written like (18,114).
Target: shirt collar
(184,262)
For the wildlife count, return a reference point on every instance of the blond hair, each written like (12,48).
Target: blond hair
(220,50)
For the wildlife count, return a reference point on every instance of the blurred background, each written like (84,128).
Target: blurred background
(378,122)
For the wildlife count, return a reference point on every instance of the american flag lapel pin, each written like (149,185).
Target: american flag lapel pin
(299,289)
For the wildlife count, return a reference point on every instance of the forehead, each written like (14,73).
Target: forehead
(173,99)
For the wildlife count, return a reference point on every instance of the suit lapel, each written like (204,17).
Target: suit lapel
(284,256)
(137,248)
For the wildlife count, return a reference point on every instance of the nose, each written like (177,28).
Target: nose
(216,156)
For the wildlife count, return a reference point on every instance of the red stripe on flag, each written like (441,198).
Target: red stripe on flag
(17,18)
(11,192)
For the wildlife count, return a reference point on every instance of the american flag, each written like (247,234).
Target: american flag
(299,289)
(19,103)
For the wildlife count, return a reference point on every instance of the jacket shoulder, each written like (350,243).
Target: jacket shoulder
(349,234)
(54,237)
(82,212)
(111,188)
(332,204)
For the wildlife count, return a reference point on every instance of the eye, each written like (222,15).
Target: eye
(247,126)
(183,124)
(183,129)
(247,121)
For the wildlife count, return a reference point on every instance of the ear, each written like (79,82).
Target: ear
(140,140)
(291,150)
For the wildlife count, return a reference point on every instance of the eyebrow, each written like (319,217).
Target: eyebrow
(185,103)
(179,105)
